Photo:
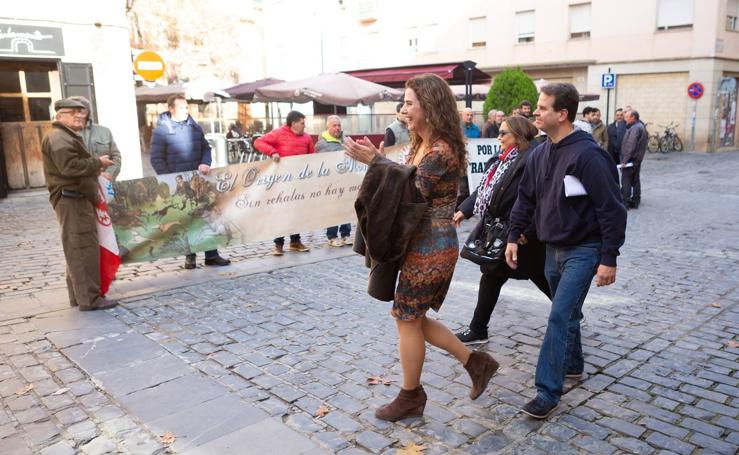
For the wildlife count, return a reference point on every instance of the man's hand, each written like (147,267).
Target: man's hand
(511,255)
(276,157)
(204,169)
(522,240)
(105,161)
(457,218)
(605,275)
(107,176)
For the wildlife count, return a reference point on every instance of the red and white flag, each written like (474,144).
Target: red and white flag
(110,258)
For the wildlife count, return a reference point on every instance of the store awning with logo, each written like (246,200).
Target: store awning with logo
(453,73)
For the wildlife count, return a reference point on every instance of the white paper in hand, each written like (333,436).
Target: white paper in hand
(573,187)
(621,166)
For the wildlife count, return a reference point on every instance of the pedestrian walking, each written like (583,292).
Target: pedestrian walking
(569,189)
(178,144)
(492,201)
(289,140)
(72,180)
(426,267)
(332,140)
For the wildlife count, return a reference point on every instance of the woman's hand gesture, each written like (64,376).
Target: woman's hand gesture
(362,150)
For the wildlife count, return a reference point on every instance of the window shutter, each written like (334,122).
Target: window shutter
(525,24)
(580,18)
(674,13)
(77,80)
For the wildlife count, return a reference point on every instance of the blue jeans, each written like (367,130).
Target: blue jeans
(345,229)
(569,271)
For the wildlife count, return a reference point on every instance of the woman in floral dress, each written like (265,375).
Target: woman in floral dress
(438,153)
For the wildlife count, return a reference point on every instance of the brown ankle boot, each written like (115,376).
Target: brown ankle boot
(481,367)
(408,403)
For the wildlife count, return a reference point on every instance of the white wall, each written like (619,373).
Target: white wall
(106,47)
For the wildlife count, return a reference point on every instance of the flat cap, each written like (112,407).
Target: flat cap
(68,103)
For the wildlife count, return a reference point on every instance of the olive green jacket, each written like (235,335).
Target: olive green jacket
(68,164)
(99,141)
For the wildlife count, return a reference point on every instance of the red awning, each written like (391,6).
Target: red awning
(453,73)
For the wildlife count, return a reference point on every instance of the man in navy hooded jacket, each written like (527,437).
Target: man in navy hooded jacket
(179,145)
(570,190)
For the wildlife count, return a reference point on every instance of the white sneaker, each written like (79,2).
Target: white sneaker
(347,241)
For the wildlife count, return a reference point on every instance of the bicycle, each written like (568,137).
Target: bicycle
(653,142)
(241,150)
(670,141)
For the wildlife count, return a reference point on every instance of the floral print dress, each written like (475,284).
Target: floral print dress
(428,266)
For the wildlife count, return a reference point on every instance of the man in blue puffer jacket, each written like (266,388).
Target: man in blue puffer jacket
(178,144)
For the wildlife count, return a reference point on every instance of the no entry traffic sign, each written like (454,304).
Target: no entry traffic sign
(149,65)
(695,90)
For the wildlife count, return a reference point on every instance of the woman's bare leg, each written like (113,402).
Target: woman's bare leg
(412,349)
(440,336)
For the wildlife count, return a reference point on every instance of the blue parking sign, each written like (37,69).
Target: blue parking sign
(608,80)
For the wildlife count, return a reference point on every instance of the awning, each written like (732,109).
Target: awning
(453,73)
(245,91)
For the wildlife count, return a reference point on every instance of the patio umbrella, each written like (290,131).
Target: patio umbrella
(479,92)
(204,89)
(245,91)
(337,89)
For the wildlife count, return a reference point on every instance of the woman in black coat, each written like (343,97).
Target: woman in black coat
(503,174)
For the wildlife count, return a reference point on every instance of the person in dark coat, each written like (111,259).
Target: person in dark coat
(503,174)
(615,132)
(178,144)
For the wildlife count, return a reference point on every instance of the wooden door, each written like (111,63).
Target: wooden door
(22,148)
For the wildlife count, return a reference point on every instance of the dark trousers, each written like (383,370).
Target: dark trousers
(631,184)
(78,224)
(294,238)
(345,230)
(487,297)
(210,254)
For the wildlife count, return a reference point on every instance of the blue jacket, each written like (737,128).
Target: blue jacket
(472,131)
(178,146)
(599,216)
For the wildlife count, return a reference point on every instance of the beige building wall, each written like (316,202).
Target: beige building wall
(657,97)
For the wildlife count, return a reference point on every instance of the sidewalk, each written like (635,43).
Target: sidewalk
(239,359)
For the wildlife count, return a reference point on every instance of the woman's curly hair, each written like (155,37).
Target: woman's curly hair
(438,102)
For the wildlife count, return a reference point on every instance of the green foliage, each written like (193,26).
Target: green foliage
(508,90)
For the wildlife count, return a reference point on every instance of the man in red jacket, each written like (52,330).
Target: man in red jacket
(289,140)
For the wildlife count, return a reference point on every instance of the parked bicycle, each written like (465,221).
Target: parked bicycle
(241,150)
(667,142)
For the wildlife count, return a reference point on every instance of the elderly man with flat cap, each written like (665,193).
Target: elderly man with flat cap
(71,176)
(99,141)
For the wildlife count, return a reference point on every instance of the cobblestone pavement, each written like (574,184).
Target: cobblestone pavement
(662,352)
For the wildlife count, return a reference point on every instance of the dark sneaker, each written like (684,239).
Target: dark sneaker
(217,261)
(103,305)
(190,262)
(469,337)
(538,408)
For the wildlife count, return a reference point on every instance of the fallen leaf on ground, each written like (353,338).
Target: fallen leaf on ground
(377,380)
(411,449)
(321,411)
(716,305)
(24,390)
(61,391)
(167,438)
(732,344)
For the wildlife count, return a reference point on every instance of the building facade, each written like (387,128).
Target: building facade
(656,49)
(50,50)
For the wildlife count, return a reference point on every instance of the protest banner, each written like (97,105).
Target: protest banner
(479,151)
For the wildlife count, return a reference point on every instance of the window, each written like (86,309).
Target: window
(732,15)
(580,20)
(26,91)
(525,22)
(674,14)
(477,31)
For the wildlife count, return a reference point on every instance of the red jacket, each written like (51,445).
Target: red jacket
(285,143)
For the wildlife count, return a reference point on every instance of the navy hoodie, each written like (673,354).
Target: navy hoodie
(598,217)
